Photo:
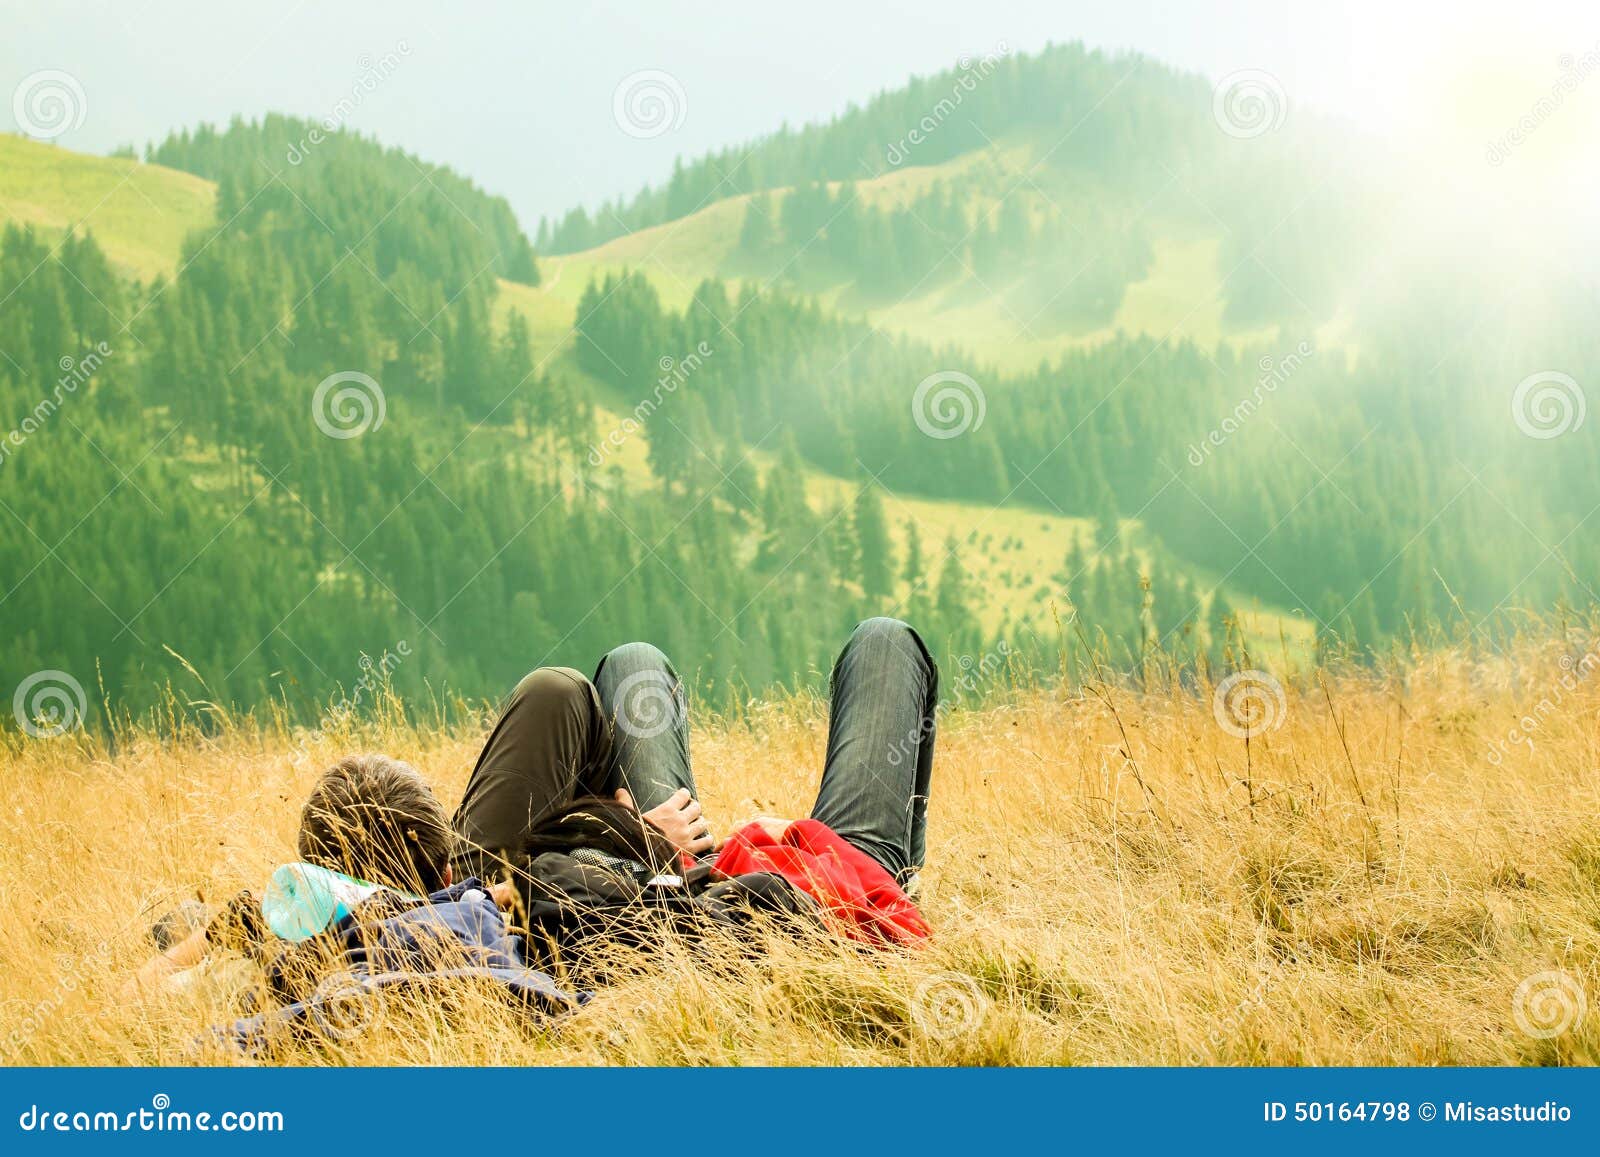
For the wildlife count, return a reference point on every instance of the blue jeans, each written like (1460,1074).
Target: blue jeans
(561,736)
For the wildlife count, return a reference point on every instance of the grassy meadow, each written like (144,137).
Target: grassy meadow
(1402,866)
(139,213)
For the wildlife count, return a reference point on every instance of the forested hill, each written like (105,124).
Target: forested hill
(1143,113)
(250,157)
(322,449)
(343,429)
(1352,436)
(1020,197)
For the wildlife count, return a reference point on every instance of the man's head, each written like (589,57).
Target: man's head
(375,818)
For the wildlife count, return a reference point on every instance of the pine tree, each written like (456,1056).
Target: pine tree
(875,551)
(757,235)
(919,585)
(952,612)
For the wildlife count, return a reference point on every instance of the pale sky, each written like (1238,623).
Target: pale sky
(519,95)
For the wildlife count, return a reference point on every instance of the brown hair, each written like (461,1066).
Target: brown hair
(376,818)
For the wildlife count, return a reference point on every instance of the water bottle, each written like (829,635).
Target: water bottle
(303,899)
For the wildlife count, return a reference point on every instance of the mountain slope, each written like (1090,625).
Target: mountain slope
(1002,321)
(138,213)
(1057,200)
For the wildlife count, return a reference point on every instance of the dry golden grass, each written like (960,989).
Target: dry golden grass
(1113,878)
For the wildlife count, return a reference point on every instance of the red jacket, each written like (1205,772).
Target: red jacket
(850,884)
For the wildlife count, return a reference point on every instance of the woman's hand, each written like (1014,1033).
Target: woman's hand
(679,819)
(774,826)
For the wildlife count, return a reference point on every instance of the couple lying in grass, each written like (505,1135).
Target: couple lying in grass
(581,825)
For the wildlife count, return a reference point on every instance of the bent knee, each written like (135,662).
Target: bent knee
(635,657)
(882,627)
(556,686)
(883,635)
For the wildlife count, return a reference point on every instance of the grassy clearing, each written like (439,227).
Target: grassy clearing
(1113,878)
(1181,298)
(1012,553)
(997,320)
(139,214)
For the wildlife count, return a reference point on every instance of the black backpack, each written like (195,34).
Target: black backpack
(598,873)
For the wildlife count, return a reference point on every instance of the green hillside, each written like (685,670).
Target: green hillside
(133,210)
(714,428)
(275,539)
(139,214)
(1181,296)
(1050,201)
(1013,554)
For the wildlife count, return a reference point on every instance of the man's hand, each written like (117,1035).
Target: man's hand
(678,819)
(185,954)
